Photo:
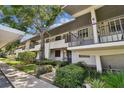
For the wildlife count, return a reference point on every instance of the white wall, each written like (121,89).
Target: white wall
(116,61)
(47,51)
(88,60)
(58,44)
(52,55)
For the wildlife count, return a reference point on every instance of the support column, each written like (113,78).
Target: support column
(38,55)
(47,50)
(27,45)
(98,64)
(94,25)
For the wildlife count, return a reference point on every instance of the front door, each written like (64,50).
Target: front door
(69,56)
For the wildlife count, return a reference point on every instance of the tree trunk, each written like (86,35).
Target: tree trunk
(42,47)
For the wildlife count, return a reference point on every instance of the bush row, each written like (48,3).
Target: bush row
(43,69)
(53,63)
(27,57)
(69,76)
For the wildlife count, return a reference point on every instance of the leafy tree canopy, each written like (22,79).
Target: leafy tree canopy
(34,17)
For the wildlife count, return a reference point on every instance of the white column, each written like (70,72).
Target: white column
(98,64)
(38,55)
(47,50)
(94,25)
(27,45)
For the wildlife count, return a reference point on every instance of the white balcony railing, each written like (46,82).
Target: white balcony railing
(36,48)
(58,44)
(19,50)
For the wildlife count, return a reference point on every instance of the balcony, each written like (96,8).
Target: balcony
(106,34)
(19,50)
(31,46)
(57,44)
(109,33)
(34,47)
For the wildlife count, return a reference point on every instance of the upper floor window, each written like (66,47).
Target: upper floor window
(83,33)
(57,38)
(114,25)
(67,37)
(47,40)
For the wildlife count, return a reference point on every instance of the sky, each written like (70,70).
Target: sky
(60,19)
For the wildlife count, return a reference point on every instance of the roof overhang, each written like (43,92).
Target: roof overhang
(78,10)
(8,35)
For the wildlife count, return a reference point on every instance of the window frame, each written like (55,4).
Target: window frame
(58,38)
(57,53)
(83,33)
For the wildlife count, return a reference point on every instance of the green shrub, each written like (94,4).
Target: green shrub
(115,80)
(93,74)
(97,83)
(47,62)
(28,57)
(43,69)
(3,55)
(63,63)
(69,76)
(82,64)
(53,63)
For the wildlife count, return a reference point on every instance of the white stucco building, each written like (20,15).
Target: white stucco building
(95,37)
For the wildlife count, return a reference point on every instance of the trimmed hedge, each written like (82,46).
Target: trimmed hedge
(46,62)
(70,76)
(28,56)
(43,69)
(53,63)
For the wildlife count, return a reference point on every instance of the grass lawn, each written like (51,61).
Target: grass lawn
(28,68)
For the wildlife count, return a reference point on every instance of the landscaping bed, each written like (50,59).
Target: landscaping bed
(69,75)
(28,68)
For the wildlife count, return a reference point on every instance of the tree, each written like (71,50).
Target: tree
(38,18)
(11,46)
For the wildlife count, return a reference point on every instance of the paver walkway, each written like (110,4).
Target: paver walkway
(21,79)
(4,82)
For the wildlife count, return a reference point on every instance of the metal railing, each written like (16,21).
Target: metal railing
(79,41)
(109,33)
(106,33)
(31,46)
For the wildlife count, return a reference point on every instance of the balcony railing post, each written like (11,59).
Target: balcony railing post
(94,25)
(122,30)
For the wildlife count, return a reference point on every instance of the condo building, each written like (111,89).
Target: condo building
(95,37)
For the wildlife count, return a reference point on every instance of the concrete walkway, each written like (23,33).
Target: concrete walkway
(21,79)
(4,82)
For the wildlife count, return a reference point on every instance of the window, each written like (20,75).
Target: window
(47,40)
(57,53)
(114,26)
(58,38)
(67,37)
(83,33)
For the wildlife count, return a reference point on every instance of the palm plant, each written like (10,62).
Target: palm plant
(115,80)
(97,83)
